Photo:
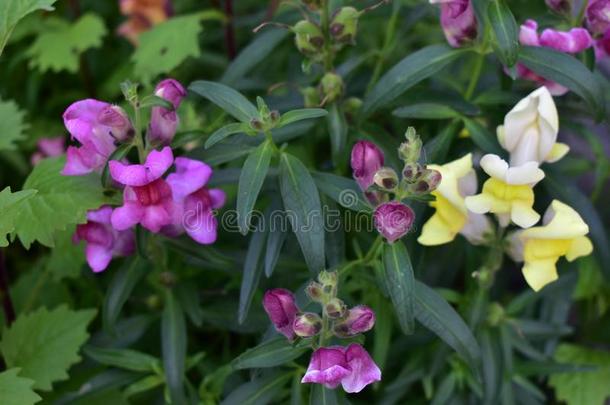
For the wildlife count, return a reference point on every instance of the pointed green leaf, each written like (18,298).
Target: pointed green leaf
(342,190)
(227,99)
(16,390)
(44,344)
(271,353)
(304,210)
(337,127)
(224,132)
(320,395)
(124,358)
(173,347)
(398,272)
(483,138)
(300,115)
(252,273)
(426,111)
(122,284)
(259,391)
(505,31)
(250,182)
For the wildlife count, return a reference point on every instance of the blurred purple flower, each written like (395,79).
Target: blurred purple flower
(48,147)
(164,122)
(458,21)
(103,241)
(598,16)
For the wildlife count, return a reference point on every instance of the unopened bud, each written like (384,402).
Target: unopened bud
(359,319)
(344,25)
(331,87)
(412,172)
(308,38)
(274,116)
(315,291)
(335,308)
(256,124)
(411,149)
(329,281)
(352,105)
(307,325)
(386,178)
(433,178)
(311,97)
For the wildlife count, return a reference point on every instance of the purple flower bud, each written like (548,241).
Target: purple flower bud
(164,122)
(598,16)
(386,178)
(458,21)
(393,220)
(280,305)
(359,319)
(335,308)
(307,325)
(367,158)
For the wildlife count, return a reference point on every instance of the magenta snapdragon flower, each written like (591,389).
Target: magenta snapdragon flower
(103,241)
(194,202)
(366,159)
(48,147)
(573,41)
(350,366)
(164,122)
(147,198)
(97,126)
(458,21)
(393,220)
(282,309)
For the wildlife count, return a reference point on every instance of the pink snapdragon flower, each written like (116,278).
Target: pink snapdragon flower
(359,319)
(282,309)
(164,122)
(103,241)
(48,147)
(573,41)
(458,21)
(351,366)
(366,159)
(194,202)
(393,220)
(96,125)
(147,198)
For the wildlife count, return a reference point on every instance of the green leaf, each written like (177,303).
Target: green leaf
(398,272)
(12,124)
(60,201)
(67,258)
(10,205)
(124,358)
(567,71)
(250,182)
(156,101)
(122,284)
(582,387)
(259,391)
(60,45)
(342,190)
(44,344)
(426,111)
(438,147)
(277,235)
(173,347)
(224,132)
(304,210)
(253,54)
(408,72)
(320,395)
(15,390)
(337,127)
(300,115)
(221,153)
(166,46)
(271,353)
(506,32)
(252,274)
(14,10)
(229,100)
(432,311)
(145,384)
(483,138)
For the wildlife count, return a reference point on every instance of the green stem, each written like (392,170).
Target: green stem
(581,14)
(370,256)
(138,140)
(476,74)
(387,43)
(325,26)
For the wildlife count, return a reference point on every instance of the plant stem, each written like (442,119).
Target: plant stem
(139,141)
(476,74)
(370,256)
(387,43)
(7,303)
(325,26)
(581,13)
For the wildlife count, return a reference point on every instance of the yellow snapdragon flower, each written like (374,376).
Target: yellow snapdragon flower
(562,234)
(451,217)
(508,192)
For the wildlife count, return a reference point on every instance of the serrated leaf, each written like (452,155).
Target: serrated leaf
(590,387)
(250,182)
(228,99)
(408,72)
(166,46)
(300,115)
(12,124)
(59,47)
(60,201)
(10,205)
(14,10)
(271,353)
(44,344)
(304,210)
(398,272)
(16,390)
(67,258)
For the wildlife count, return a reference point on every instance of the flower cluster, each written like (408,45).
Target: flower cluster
(142,15)
(529,135)
(179,203)
(351,367)
(383,188)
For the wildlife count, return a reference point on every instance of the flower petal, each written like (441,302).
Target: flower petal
(364,370)
(98,257)
(127,216)
(190,176)
(137,175)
